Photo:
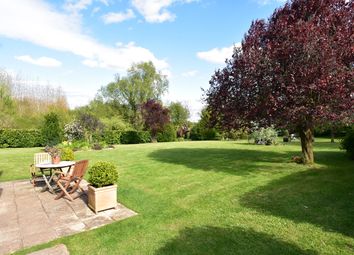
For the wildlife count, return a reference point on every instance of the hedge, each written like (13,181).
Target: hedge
(134,137)
(112,136)
(21,138)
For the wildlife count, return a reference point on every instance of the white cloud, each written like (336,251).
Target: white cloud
(155,11)
(116,17)
(95,10)
(41,61)
(76,6)
(217,55)
(38,23)
(191,73)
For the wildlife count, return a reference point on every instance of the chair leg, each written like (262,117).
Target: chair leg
(64,191)
(75,187)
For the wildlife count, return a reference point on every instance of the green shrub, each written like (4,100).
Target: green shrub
(236,134)
(200,133)
(67,154)
(103,174)
(169,134)
(134,137)
(211,134)
(51,130)
(196,133)
(21,138)
(348,143)
(112,136)
(79,145)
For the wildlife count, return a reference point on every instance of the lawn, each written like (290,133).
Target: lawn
(218,198)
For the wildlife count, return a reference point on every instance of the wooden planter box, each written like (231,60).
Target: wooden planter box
(102,198)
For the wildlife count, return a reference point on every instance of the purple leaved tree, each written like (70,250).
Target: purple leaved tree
(294,70)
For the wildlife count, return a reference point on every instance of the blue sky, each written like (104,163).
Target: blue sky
(80,44)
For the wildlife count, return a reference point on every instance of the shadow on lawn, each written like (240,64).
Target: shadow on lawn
(233,161)
(215,240)
(323,197)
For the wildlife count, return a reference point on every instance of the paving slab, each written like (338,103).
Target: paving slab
(29,216)
(59,249)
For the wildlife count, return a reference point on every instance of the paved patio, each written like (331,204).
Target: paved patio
(29,217)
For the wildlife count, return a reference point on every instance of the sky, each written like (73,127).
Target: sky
(80,45)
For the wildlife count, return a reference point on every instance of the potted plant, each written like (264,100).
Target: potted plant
(102,191)
(54,152)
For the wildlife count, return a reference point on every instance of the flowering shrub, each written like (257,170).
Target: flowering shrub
(73,131)
(265,136)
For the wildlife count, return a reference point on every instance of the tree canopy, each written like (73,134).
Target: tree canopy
(179,114)
(296,69)
(143,82)
(155,117)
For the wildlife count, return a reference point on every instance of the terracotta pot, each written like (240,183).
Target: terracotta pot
(56,160)
(102,198)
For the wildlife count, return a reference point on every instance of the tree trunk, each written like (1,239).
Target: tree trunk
(306,144)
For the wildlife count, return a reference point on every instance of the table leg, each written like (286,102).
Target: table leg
(48,184)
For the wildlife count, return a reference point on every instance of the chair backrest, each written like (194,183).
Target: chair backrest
(40,158)
(80,168)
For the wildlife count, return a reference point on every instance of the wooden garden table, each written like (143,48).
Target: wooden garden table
(58,169)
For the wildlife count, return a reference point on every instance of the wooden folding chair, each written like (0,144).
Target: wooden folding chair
(39,158)
(65,182)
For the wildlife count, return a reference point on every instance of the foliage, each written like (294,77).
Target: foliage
(91,125)
(286,133)
(103,174)
(21,138)
(199,132)
(73,131)
(135,137)
(110,114)
(143,82)
(196,133)
(179,114)
(79,145)
(296,69)
(347,143)
(51,129)
(235,134)
(98,145)
(67,154)
(23,103)
(115,123)
(53,151)
(265,136)
(155,117)
(112,136)
(168,134)
(183,131)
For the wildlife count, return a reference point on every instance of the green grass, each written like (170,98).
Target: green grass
(218,198)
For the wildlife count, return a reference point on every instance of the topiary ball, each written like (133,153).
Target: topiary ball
(103,174)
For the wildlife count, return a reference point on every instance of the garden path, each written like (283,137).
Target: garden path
(29,217)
